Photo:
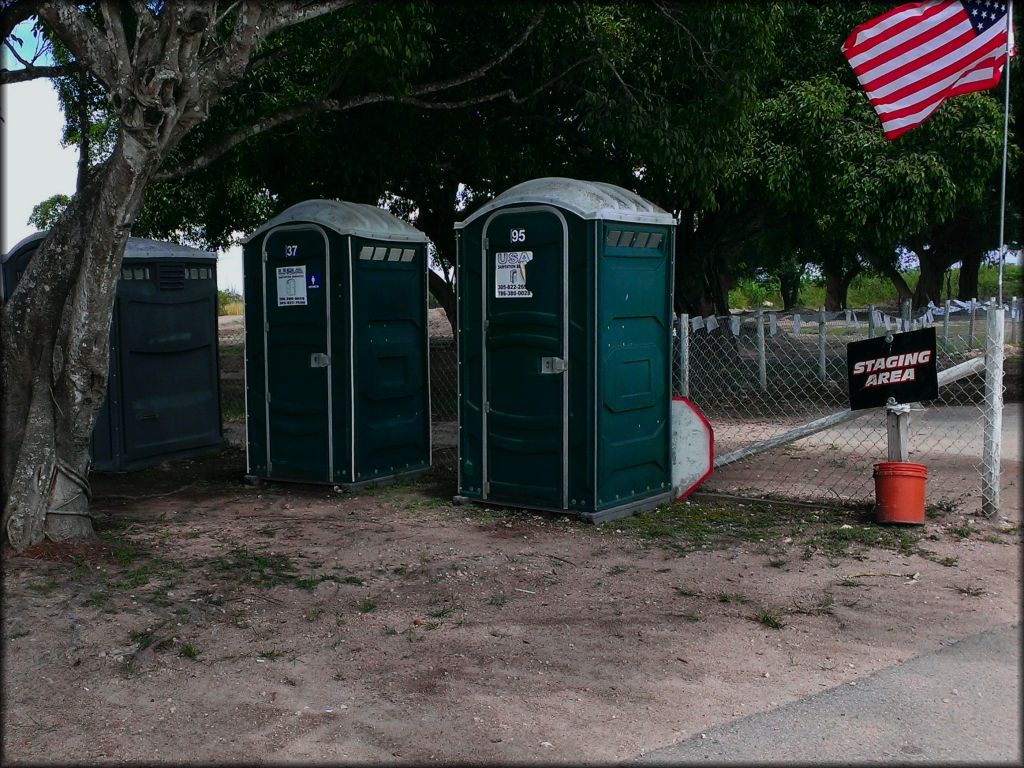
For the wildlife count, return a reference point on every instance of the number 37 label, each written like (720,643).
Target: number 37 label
(510,274)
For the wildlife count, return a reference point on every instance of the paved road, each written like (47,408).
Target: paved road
(957,705)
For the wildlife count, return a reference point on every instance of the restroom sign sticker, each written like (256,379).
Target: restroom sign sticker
(510,274)
(291,286)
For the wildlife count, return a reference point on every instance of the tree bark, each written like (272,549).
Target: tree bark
(66,298)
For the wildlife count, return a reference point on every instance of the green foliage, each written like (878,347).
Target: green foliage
(225,298)
(45,214)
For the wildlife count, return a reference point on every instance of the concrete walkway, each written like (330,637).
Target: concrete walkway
(958,705)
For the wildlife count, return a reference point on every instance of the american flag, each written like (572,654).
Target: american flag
(914,57)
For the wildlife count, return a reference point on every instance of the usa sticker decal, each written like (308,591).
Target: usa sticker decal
(510,275)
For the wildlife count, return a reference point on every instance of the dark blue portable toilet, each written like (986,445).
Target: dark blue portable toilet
(163,391)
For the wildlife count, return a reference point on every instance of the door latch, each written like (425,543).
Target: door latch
(551,365)
(319,360)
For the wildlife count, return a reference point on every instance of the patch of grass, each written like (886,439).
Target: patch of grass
(686,591)
(249,567)
(968,590)
(849,583)
(615,570)
(314,614)
(962,531)
(268,533)
(189,651)
(690,616)
(769,619)
(823,606)
(355,580)
(144,637)
(367,605)
(272,655)
(497,600)
(389,631)
(688,526)
(733,597)
(309,583)
(433,625)
(442,612)
(837,541)
(44,588)
(777,562)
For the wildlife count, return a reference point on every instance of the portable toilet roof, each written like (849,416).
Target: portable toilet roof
(358,219)
(135,248)
(586,199)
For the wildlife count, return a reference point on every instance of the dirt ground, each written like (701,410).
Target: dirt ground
(213,621)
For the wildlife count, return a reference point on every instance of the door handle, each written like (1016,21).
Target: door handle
(552,365)
(319,360)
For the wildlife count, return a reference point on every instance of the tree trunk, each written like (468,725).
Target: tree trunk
(444,292)
(967,287)
(844,285)
(789,286)
(898,282)
(833,291)
(55,377)
(929,284)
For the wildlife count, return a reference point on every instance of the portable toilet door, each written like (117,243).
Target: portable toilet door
(336,345)
(565,349)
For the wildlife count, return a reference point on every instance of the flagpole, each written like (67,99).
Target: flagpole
(1006,133)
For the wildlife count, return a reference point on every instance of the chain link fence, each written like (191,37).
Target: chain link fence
(762,376)
(758,376)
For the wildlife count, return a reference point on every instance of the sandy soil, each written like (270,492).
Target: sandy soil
(214,621)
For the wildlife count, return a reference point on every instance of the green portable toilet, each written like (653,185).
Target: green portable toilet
(564,347)
(163,390)
(336,365)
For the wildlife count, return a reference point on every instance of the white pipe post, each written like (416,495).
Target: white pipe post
(1014,319)
(993,432)
(871,321)
(762,363)
(905,315)
(821,344)
(945,323)
(970,325)
(684,355)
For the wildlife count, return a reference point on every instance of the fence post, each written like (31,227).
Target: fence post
(905,315)
(945,323)
(684,355)
(970,325)
(993,414)
(821,344)
(897,427)
(871,321)
(1014,319)
(762,363)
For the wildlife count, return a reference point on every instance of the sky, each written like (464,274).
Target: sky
(36,166)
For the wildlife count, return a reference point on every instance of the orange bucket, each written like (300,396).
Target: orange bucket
(899,492)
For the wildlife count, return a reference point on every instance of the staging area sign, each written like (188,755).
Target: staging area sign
(903,369)
(510,274)
(291,286)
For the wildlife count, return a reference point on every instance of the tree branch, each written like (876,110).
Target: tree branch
(10,76)
(81,37)
(231,140)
